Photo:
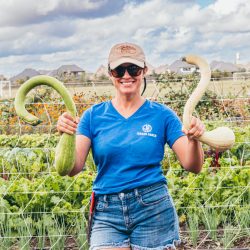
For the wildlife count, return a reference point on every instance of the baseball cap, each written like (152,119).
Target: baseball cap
(126,53)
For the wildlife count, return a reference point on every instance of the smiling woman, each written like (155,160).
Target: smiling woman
(131,206)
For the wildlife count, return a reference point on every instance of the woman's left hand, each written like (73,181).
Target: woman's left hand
(197,128)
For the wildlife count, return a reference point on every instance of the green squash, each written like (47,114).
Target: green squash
(65,150)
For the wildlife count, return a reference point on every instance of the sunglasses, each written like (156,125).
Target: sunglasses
(132,69)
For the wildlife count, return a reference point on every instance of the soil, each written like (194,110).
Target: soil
(204,243)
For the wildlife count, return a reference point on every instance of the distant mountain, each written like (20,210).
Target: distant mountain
(223,66)
(102,71)
(25,75)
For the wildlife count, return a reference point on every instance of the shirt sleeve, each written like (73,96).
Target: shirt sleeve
(173,128)
(85,124)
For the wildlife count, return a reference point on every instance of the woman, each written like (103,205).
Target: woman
(133,208)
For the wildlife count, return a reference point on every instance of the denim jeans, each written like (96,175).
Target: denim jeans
(142,219)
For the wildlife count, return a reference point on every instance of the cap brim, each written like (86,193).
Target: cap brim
(122,60)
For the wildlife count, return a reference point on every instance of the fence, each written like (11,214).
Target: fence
(41,210)
(241,76)
(5,89)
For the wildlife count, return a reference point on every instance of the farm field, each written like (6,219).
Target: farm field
(227,87)
(41,210)
(222,88)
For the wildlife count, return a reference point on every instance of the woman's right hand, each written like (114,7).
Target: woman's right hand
(67,124)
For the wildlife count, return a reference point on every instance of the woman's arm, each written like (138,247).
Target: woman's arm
(66,124)
(188,150)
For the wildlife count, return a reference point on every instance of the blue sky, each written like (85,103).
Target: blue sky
(45,34)
(204,3)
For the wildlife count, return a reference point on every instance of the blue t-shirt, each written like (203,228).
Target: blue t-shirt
(128,151)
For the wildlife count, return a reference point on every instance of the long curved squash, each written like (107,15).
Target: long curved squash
(221,138)
(65,150)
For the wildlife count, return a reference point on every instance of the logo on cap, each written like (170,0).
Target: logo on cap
(126,49)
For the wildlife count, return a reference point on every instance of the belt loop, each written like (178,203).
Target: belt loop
(136,192)
(121,196)
(105,198)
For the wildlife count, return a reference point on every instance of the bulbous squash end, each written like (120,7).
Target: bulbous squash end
(65,154)
(220,139)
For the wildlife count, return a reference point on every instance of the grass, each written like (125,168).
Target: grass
(193,225)
(228,236)
(81,237)
(211,221)
(41,231)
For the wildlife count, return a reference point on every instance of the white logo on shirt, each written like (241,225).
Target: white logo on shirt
(147,128)
(146,131)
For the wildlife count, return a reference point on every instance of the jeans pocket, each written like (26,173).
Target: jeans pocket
(153,197)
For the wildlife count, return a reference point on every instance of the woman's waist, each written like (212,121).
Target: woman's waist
(131,193)
(117,180)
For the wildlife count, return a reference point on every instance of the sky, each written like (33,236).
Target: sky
(45,34)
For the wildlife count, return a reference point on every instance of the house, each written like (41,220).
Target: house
(24,76)
(181,67)
(68,72)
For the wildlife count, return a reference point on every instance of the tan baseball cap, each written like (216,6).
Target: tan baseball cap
(126,53)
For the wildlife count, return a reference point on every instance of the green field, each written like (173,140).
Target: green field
(223,88)
(41,210)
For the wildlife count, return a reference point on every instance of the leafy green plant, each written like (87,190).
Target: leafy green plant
(31,189)
(6,239)
(242,220)
(24,233)
(228,236)
(193,226)
(57,236)
(81,237)
(41,232)
(211,221)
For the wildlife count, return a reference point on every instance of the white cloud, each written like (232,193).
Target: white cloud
(227,7)
(24,12)
(48,33)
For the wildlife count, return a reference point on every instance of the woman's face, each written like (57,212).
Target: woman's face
(128,84)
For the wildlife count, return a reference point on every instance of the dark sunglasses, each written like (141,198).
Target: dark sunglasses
(132,69)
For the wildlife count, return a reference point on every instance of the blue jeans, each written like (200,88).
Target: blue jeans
(142,219)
